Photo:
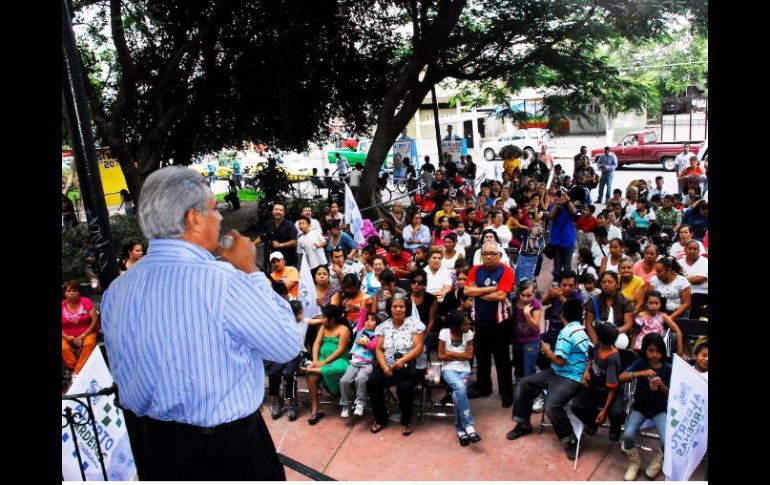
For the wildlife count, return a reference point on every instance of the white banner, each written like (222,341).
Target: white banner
(110,429)
(455,147)
(353,216)
(686,421)
(401,150)
(307,292)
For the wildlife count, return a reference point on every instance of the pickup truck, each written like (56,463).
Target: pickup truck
(354,156)
(644,147)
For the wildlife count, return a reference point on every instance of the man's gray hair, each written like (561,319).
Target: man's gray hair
(491,245)
(166,196)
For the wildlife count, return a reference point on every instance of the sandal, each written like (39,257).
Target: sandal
(316,417)
(376,427)
(407,430)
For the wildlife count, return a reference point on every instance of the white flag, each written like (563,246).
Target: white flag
(110,427)
(577,428)
(353,216)
(686,421)
(307,293)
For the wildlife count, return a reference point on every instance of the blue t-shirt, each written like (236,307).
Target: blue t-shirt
(563,229)
(346,243)
(361,352)
(572,345)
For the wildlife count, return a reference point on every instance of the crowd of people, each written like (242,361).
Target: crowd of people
(440,286)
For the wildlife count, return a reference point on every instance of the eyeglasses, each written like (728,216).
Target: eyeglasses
(490,254)
(418,282)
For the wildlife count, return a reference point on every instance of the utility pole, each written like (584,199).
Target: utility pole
(74,93)
(435,124)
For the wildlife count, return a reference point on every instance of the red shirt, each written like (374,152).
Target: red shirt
(399,264)
(586,223)
(77,322)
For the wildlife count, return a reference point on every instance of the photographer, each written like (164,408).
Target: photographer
(562,212)
(280,234)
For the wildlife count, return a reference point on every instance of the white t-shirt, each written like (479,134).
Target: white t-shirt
(437,281)
(355,178)
(342,166)
(456,365)
(508,204)
(449,264)
(614,232)
(682,161)
(305,244)
(463,241)
(596,250)
(700,268)
(677,250)
(477,259)
(503,234)
(671,290)
(314,226)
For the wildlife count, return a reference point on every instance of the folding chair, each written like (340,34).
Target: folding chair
(692,330)
(423,403)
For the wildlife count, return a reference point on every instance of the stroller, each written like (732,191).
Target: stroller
(530,257)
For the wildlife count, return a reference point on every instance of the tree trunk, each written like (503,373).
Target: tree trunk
(609,122)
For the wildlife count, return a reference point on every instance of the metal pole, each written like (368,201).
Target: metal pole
(85,154)
(435,123)
(690,99)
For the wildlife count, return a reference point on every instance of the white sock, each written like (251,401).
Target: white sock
(461,434)
(469,430)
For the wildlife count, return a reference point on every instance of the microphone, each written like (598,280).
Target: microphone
(226,241)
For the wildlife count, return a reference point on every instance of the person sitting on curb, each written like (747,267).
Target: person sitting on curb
(562,379)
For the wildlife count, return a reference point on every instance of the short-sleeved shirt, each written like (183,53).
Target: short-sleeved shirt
(349,267)
(639,271)
(458,346)
(383,305)
(288,273)
(285,232)
(398,339)
(572,345)
(620,306)
(668,219)
(553,315)
(700,268)
(630,288)
(523,331)
(437,281)
(605,368)
(648,402)
(670,291)
(345,242)
(488,313)
(77,322)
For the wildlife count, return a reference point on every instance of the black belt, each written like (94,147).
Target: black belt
(237,425)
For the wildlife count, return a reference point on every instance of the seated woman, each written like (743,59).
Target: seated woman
(696,269)
(132,252)
(672,286)
(611,306)
(645,268)
(455,350)
(399,344)
(697,217)
(612,260)
(685,235)
(427,307)
(381,299)
(330,357)
(631,286)
(371,282)
(451,252)
(79,324)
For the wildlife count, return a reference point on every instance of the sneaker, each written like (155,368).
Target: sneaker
(359,410)
(292,414)
(539,404)
(275,409)
(345,412)
(447,399)
(572,449)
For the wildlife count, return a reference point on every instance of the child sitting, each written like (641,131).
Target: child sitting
(600,381)
(360,368)
(650,402)
(287,371)
(651,319)
(701,360)
(587,285)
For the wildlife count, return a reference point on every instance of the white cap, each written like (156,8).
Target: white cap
(276,255)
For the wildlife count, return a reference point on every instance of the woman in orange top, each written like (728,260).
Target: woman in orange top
(79,325)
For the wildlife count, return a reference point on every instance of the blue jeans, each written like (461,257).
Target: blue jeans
(525,357)
(635,421)
(463,416)
(562,261)
(605,179)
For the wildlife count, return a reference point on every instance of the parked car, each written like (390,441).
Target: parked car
(528,142)
(644,147)
(355,155)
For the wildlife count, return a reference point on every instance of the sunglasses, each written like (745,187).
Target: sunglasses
(418,282)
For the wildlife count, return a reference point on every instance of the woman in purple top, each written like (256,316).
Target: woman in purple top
(527,311)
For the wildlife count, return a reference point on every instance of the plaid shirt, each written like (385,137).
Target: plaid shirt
(668,220)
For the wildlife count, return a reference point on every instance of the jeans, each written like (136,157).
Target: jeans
(562,261)
(525,358)
(560,391)
(605,179)
(286,371)
(358,371)
(635,421)
(457,381)
(212,178)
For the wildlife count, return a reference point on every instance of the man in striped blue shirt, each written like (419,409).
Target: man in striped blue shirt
(186,336)
(562,379)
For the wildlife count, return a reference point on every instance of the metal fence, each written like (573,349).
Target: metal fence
(684,117)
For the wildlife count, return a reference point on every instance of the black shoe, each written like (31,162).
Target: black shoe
(474,437)
(464,441)
(507,402)
(475,394)
(275,409)
(292,414)
(518,432)
(614,435)
(590,430)
(572,449)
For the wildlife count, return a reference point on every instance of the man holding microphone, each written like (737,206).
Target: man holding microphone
(186,336)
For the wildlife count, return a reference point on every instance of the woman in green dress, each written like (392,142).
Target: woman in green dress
(330,357)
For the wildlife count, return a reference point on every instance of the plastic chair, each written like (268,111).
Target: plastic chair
(692,330)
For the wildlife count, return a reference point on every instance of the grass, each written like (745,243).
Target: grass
(246,195)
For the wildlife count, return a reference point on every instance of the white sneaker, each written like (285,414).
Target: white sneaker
(345,412)
(359,411)
(539,404)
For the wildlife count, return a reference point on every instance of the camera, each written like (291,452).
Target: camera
(559,193)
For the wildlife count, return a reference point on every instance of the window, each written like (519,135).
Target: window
(650,138)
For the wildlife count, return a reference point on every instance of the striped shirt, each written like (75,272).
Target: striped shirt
(186,335)
(572,345)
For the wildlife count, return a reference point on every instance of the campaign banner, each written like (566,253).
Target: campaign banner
(353,216)
(453,147)
(110,429)
(307,292)
(686,421)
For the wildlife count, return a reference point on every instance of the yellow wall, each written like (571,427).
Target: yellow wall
(112,180)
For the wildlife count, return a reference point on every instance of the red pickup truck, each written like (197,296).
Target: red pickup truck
(644,147)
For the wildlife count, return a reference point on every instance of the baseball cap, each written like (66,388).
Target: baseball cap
(276,255)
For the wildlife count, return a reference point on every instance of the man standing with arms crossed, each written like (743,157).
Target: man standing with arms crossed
(607,164)
(682,162)
(489,284)
(186,337)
